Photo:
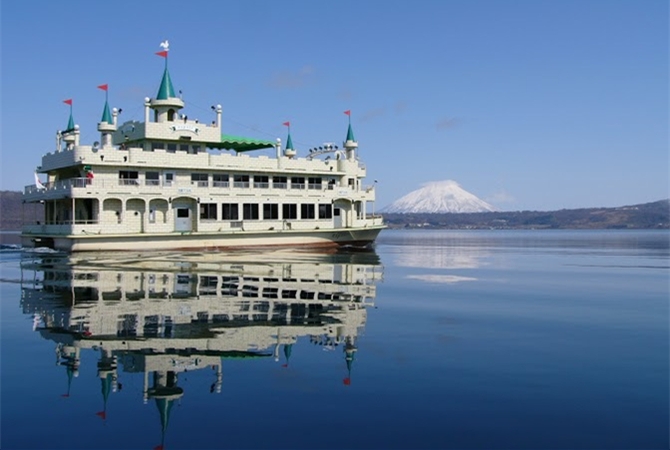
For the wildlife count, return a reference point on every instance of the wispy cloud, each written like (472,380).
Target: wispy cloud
(373,114)
(400,107)
(295,79)
(501,197)
(447,123)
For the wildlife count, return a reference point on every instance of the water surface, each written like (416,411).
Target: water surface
(437,339)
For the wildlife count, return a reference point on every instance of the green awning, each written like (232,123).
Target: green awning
(241,144)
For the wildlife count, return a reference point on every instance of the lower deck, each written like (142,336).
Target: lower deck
(355,236)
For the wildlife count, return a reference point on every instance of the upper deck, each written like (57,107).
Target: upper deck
(179,159)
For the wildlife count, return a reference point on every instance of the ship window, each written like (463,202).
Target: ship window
(157,146)
(229,211)
(241,181)
(128,177)
(208,211)
(261,181)
(183,147)
(279,182)
(152,179)
(250,211)
(336,212)
(325,211)
(171,148)
(297,182)
(270,211)
(201,179)
(220,180)
(182,213)
(314,182)
(170,115)
(307,211)
(290,211)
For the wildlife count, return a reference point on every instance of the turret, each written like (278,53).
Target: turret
(71,133)
(166,104)
(350,144)
(289,151)
(107,124)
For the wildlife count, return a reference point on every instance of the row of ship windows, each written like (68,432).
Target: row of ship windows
(251,211)
(127,177)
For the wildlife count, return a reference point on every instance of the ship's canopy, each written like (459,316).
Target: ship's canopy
(240,144)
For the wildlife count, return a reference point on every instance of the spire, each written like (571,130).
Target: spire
(350,134)
(106,114)
(166,90)
(289,142)
(70,123)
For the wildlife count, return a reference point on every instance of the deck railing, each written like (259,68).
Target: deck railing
(136,183)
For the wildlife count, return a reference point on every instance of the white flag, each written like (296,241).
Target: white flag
(38,183)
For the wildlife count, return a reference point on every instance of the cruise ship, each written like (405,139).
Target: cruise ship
(171,182)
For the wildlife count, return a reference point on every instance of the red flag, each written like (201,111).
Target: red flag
(347,381)
(68,101)
(347,112)
(163,53)
(101,414)
(288,124)
(104,87)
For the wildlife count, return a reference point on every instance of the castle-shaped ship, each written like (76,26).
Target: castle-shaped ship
(167,183)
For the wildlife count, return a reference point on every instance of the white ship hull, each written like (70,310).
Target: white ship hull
(356,237)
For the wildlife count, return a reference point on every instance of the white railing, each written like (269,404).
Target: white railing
(111,183)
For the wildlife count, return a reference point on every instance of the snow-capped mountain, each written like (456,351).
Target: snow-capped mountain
(439,197)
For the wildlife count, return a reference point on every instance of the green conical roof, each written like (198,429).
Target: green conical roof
(70,123)
(166,90)
(106,115)
(350,134)
(289,142)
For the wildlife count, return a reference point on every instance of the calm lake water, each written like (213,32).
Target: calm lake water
(437,339)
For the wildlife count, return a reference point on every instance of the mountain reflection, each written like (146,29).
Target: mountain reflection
(163,314)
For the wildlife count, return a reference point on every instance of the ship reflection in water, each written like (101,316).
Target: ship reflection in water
(162,315)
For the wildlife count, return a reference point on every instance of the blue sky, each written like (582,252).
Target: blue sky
(536,105)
